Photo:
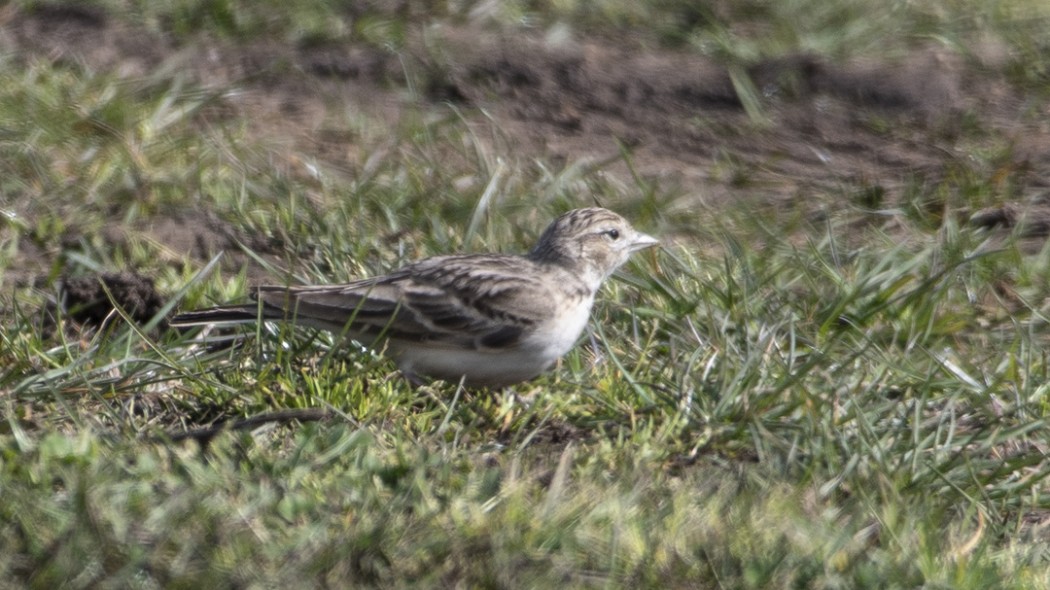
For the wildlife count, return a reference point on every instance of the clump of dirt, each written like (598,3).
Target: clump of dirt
(85,299)
(1030,223)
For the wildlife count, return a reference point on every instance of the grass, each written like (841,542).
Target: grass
(767,402)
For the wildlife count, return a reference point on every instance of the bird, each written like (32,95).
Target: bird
(486,320)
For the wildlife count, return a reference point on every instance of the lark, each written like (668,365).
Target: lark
(490,320)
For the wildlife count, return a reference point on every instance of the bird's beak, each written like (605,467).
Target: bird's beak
(642,241)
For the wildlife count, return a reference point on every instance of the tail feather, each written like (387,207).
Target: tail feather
(228,314)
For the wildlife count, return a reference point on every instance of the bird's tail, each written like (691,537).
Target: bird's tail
(227,314)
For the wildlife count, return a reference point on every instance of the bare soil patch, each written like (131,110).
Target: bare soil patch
(865,128)
(862,124)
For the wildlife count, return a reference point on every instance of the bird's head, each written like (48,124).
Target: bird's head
(591,241)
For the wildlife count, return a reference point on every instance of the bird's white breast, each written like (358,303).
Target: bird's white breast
(544,344)
(558,334)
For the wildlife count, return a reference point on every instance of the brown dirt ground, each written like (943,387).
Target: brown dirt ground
(865,126)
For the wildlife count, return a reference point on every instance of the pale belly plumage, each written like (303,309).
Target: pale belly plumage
(533,354)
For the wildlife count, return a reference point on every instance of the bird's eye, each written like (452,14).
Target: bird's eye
(614,234)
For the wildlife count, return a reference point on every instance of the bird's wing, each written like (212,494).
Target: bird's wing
(476,301)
